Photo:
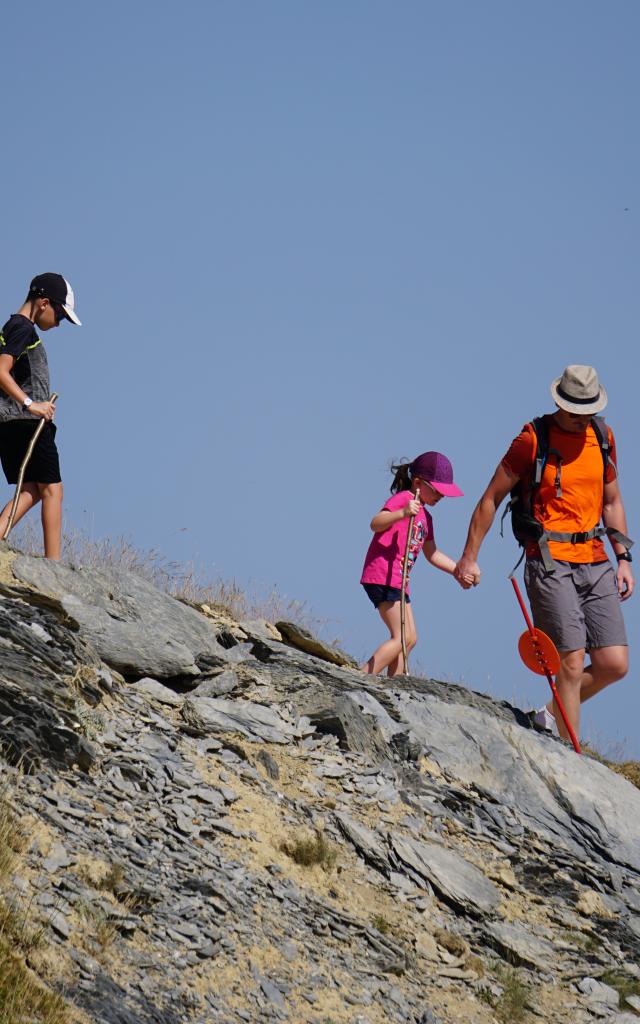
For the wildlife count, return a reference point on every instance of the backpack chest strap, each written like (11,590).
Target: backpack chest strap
(577,538)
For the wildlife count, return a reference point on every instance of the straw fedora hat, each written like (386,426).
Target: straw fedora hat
(578,390)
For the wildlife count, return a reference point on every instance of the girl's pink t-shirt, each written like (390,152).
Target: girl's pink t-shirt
(383,561)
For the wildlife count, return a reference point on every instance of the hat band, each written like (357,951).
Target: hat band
(577,401)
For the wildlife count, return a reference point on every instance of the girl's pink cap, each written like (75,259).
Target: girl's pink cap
(436,469)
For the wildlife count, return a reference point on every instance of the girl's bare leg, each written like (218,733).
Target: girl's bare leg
(51,495)
(29,496)
(396,667)
(390,652)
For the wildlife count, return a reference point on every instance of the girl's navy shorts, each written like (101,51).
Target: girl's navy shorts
(44,465)
(378,593)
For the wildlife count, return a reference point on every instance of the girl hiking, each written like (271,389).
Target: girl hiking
(422,482)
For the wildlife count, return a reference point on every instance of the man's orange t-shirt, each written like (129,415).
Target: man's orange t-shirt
(579,508)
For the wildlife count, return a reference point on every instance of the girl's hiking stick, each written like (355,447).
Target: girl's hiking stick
(403,594)
(23,466)
(539,653)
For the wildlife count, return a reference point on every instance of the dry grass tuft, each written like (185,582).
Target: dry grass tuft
(629,769)
(12,838)
(510,1007)
(16,928)
(23,998)
(381,924)
(114,879)
(309,851)
(177,579)
(454,944)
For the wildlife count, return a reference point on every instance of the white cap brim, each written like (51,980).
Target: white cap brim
(72,316)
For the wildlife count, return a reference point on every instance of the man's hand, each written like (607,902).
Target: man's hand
(467,571)
(624,579)
(43,410)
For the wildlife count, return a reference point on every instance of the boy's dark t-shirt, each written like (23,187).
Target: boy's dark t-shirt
(19,339)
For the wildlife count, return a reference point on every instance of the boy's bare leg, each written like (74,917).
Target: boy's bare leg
(51,495)
(29,496)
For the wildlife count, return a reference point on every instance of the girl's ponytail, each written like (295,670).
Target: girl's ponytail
(402,477)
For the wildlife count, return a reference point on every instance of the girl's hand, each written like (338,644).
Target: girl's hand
(468,569)
(43,410)
(412,508)
(466,582)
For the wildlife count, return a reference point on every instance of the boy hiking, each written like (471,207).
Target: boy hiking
(562,471)
(423,482)
(25,400)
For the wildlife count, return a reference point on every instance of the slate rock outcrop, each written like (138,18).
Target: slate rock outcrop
(225,828)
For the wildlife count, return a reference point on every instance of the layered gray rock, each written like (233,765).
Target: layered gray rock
(459,882)
(520,944)
(131,625)
(292,840)
(574,802)
(301,638)
(220,715)
(368,845)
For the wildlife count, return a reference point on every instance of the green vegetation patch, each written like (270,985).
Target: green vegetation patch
(624,984)
(510,1006)
(381,924)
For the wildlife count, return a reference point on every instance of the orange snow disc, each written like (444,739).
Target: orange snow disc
(539,652)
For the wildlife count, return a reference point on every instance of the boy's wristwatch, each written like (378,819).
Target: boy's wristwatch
(27,402)
(625,557)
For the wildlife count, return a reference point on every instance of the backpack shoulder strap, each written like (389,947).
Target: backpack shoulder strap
(601,431)
(541,432)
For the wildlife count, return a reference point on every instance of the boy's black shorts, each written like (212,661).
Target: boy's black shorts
(44,465)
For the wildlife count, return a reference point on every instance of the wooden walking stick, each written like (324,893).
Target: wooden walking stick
(403,594)
(23,466)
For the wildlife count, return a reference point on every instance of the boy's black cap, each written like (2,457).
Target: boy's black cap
(56,288)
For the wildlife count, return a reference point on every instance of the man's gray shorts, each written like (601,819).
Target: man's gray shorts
(576,605)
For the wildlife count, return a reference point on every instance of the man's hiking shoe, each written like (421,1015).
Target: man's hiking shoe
(543,719)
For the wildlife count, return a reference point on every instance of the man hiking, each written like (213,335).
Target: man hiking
(25,400)
(561,470)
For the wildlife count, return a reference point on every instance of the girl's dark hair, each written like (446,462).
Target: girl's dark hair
(401,477)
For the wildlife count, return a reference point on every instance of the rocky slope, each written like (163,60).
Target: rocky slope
(222,827)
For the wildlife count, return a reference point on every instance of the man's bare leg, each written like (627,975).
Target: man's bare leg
(568,684)
(608,665)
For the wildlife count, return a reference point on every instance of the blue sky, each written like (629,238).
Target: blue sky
(306,239)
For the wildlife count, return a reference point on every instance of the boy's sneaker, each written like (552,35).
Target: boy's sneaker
(545,720)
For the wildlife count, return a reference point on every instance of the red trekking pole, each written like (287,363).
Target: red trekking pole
(540,654)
